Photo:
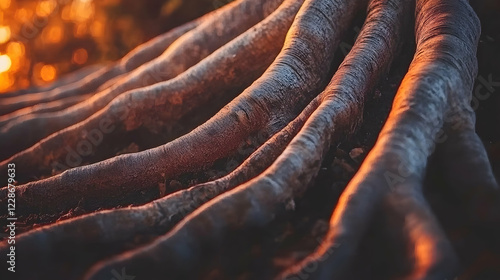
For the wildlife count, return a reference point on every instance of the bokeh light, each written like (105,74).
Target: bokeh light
(44,39)
(5,63)
(45,8)
(4,34)
(48,73)
(80,56)
(6,80)
(4,4)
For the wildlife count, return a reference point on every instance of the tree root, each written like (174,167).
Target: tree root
(437,76)
(184,52)
(62,81)
(467,169)
(242,117)
(275,60)
(116,230)
(208,71)
(255,203)
(52,106)
(91,78)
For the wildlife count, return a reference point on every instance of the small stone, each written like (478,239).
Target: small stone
(357,154)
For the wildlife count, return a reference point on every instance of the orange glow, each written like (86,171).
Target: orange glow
(80,56)
(24,83)
(63,35)
(97,29)
(15,49)
(424,253)
(4,34)
(81,10)
(45,8)
(170,7)
(53,34)
(424,242)
(48,73)
(22,15)
(66,13)
(6,81)
(80,30)
(4,4)
(5,63)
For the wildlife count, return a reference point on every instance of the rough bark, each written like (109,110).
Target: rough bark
(271,63)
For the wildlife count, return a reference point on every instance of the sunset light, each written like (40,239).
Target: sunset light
(80,56)
(4,34)
(5,63)
(4,4)
(42,40)
(48,73)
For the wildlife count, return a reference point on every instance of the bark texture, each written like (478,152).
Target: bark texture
(120,157)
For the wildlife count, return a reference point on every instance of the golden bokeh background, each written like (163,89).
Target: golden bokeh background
(44,39)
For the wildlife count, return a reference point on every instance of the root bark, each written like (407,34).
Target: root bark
(270,63)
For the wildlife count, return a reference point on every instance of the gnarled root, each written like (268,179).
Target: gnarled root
(274,62)
(439,76)
(117,230)
(184,52)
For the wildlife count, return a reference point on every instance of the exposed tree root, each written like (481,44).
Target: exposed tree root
(467,169)
(51,106)
(173,99)
(255,203)
(254,110)
(275,59)
(185,52)
(84,83)
(441,74)
(259,39)
(67,79)
(113,231)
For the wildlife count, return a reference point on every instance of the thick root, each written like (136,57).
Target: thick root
(91,78)
(117,230)
(232,116)
(254,110)
(48,107)
(467,170)
(254,204)
(397,163)
(165,104)
(271,62)
(229,22)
